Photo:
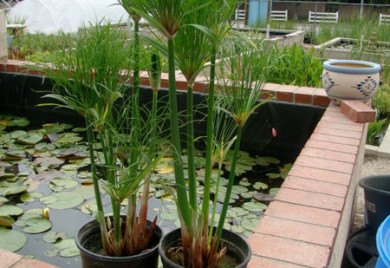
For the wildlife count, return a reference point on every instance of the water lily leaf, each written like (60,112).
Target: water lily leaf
(49,175)
(10,210)
(239,211)
(74,152)
(6,221)
(58,184)
(238,189)
(56,127)
(249,224)
(37,225)
(3,200)
(30,197)
(172,215)
(5,138)
(254,206)
(87,181)
(89,208)
(237,229)
(86,191)
(78,129)
(54,237)
(260,185)
(70,252)
(261,197)
(33,138)
(248,194)
(68,139)
(66,200)
(70,167)
(44,147)
(51,252)
(244,182)
(273,175)
(18,134)
(164,169)
(48,199)
(274,191)
(22,219)
(50,162)
(19,122)
(12,240)
(13,155)
(15,189)
(265,161)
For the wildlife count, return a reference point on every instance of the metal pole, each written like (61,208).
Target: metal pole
(361,9)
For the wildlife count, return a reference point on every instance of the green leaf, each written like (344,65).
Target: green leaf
(249,224)
(254,206)
(19,122)
(51,252)
(53,237)
(12,240)
(30,197)
(15,189)
(22,219)
(18,134)
(66,200)
(67,247)
(10,210)
(169,215)
(274,191)
(59,184)
(6,221)
(260,185)
(33,138)
(37,225)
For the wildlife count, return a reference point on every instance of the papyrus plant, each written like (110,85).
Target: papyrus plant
(193,31)
(93,79)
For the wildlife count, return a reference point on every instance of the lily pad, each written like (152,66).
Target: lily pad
(260,185)
(3,200)
(66,200)
(10,210)
(254,206)
(19,122)
(53,237)
(274,191)
(37,225)
(22,219)
(12,240)
(244,182)
(15,189)
(58,184)
(17,134)
(30,197)
(6,221)
(51,252)
(169,215)
(67,247)
(89,208)
(249,224)
(33,138)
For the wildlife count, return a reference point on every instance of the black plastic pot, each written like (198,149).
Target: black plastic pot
(361,249)
(236,246)
(377,199)
(92,260)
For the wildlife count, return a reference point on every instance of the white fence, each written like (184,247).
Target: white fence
(281,15)
(323,16)
(384,19)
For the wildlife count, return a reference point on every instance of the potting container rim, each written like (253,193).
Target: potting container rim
(364,185)
(112,258)
(382,240)
(371,67)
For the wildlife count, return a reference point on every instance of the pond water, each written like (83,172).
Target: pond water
(46,192)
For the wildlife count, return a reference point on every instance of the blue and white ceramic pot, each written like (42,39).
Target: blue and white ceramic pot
(350,79)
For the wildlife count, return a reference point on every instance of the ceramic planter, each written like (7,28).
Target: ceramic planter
(350,79)
(236,246)
(89,259)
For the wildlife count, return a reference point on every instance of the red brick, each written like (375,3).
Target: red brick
(267,94)
(338,132)
(338,147)
(310,199)
(326,154)
(334,139)
(336,125)
(290,251)
(315,186)
(257,262)
(285,93)
(320,98)
(304,214)
(201,87)
(324,236)
(32,263)
(320,175)
(358,111)
(324,164)
(304,95)
(8,258)
(2,67)
(11,68)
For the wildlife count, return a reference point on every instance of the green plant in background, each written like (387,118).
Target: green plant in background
(89,79)
(381,100)
(374,129)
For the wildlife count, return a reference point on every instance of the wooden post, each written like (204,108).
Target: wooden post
(246,13)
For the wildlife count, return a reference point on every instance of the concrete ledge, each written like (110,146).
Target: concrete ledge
(13,260)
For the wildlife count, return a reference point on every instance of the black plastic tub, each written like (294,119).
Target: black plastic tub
(20,94)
